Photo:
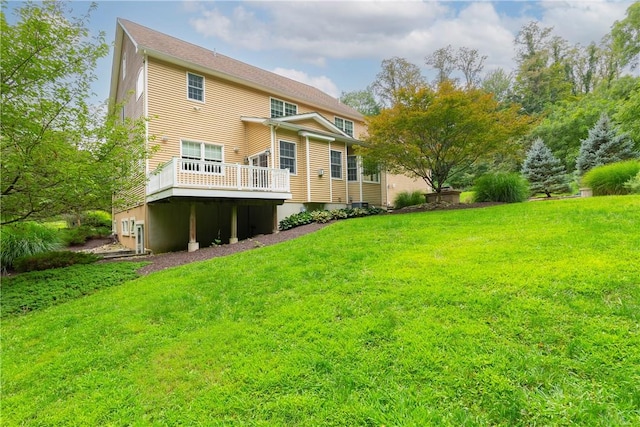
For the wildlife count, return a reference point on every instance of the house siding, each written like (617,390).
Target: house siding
(231,115)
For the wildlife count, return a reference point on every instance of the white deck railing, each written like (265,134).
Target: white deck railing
(183,173)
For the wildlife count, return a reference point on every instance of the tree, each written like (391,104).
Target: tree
(566,123)
(626,37)
(471,64)
(498,82)
(542,76)
(362,100)
(629,112)
(543,170)
(433,131)
(604,145)
(444,62)
(468,61)
(58,153)
(397,74)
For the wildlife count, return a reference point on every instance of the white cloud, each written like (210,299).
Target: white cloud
(314,32)
(320,82)
(582,21)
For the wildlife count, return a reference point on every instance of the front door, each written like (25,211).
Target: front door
(139,238)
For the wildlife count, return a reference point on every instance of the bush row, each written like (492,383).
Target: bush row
(24,239)
(406,198)
(613,179)
(79,235)
(322,217)
(56,259)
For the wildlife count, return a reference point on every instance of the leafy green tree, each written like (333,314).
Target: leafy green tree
(543,170)
(626,37)
(396,75)
(59,154)
(542,76)
(566,123)
(362,100)
(434,134)
(604,145)
(498,82)
(628,113)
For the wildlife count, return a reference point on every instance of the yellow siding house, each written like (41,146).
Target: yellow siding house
(237,148)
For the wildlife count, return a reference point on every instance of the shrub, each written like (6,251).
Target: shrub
(603,146)
(610,179)
(406,198)
(25,239)
(322,217)
(633,184)
(501,187)
(57,259)
(79,235)
(95,218)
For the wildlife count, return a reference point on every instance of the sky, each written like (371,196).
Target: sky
(338,46)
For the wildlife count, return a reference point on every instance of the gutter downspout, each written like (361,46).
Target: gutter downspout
(330,180)
(307,157)
(360,177)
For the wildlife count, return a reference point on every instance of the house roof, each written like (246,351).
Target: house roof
(331,132)
(173,50)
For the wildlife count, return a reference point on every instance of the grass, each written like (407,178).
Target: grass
(514,315)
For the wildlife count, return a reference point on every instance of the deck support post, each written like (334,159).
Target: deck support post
(275,219)
(234,224)
(193,245)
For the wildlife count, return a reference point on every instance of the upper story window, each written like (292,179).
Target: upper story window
(201,157)
(352,168)
(288,156)
(336,164)
(281,109)
(195,87)
(124,65)
(344,125)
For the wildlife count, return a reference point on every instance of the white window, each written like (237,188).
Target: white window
(280,108)
(140,83)
(201,157)
(344,125)
(352,168)
(124,65)
(336,164)
(132,226)
(125,227)
(195,87)
(288,156)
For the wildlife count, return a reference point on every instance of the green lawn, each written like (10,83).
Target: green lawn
(514,315)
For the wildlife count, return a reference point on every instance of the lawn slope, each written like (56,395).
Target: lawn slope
(525,314)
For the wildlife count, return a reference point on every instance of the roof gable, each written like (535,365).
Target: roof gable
(171,49)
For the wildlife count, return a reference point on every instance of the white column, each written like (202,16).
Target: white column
(193,245)
(275,219)
(234,225)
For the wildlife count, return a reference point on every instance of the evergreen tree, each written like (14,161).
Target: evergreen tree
(543,170)
(604,145)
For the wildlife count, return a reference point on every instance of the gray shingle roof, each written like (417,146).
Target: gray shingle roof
(158,43)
